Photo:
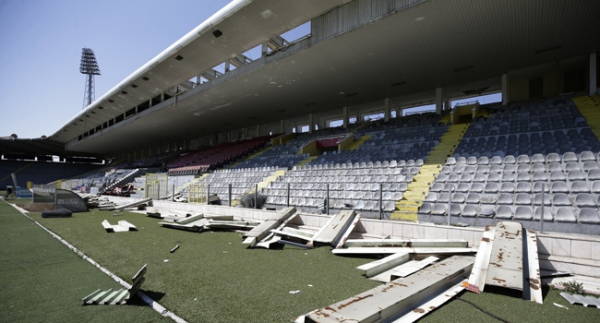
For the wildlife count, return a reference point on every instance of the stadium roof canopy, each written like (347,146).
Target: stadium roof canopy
(376,49)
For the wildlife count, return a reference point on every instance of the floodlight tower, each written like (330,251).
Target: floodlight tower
(89,67)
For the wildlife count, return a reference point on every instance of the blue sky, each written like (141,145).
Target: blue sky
(40,49)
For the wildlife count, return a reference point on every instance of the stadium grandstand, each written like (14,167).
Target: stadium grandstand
(359,113)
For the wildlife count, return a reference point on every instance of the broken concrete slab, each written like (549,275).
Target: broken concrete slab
(396,298)
(147,201)
(121,226)
(432,304)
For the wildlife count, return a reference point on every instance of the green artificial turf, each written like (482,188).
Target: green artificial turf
(212,277)
(43,281)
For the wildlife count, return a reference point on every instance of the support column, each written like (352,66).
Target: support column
(227,66)
(345,117)
(264,49)
(593,73)
(311,124)
(257,130)
(504,89)
(439,100)
(282,126)
(386,111)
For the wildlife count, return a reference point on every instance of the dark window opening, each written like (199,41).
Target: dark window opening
(536,88)
(129,112)
(143,106)
(156,100)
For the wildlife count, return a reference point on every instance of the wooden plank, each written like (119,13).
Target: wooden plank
(478,276)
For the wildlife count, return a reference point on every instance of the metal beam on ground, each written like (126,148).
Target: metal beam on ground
(396,298)
(334,228)
(405,269)
(410,243)
(378,266)
(262,230)
(506,259)
(383,251)
(344,237)
(532,273)
(478,275)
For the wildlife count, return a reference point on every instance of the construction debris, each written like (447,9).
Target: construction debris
(383,251)
(174,248)
(403,296)
(335,228)
(121,226)
(580,299)
(117,297)
(112,207)
(500,261)
(200,222)
(404,269)
(407,243)
(263,230)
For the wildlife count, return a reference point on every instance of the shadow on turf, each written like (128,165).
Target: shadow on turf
(511,292)
(155,296)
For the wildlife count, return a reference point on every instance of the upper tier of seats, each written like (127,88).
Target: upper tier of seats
(541,127)
(40,172)
(217,156)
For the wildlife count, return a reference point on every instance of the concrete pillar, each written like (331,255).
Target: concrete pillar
(386,109)
(311,124)
(593,73)
(345,117)
(282,126)
(257,130)
(227,66)
(264,49)
(447,104)
(504,89)
(439,100)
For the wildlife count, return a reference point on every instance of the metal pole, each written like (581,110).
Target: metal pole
(327,200)
(229,193)
(207,193)
(158,190)
(256,196)
(288,194)
(449,201)
(542,216)
(380,201)
(173,194)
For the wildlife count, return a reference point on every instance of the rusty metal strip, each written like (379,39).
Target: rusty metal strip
(263,230)
(532,286)
(398,297)
(408,269)
(334,228)
(431,305)
(383,251)
(344,237)
(506,261)
(478,275)
(409,243)
(376,267)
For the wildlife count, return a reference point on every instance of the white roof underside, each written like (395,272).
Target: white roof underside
(421,45)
